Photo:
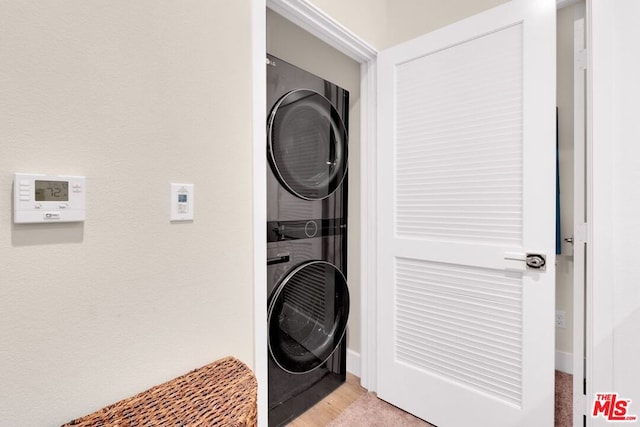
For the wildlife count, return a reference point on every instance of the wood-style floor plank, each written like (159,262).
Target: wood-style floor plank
(325,411)
(331,406)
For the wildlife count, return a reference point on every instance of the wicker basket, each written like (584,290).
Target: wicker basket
(223,393)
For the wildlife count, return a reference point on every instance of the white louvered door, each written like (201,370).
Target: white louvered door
(467,188)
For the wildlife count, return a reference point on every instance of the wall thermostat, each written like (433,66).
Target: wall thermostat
(48,198)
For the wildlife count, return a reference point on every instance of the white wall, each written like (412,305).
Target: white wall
(408,19)
(616,199)
(292,44)
(134,95)
(366,18)
(384,23)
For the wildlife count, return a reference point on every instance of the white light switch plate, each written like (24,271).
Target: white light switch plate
(182,197)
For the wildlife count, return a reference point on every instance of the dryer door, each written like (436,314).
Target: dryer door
(307,144)
(307,316)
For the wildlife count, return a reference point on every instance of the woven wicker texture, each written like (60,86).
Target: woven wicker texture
(223,393)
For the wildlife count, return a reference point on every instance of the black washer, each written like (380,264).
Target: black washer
(307,316)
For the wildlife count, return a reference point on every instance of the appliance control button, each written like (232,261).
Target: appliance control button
(311,228)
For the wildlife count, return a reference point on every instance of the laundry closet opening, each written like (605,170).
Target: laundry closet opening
(291,43)
(313,198)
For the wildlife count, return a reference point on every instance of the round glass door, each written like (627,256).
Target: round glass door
(307,316)
(307,144)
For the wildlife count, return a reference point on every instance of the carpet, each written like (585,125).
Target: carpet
(564,399)
(370,411)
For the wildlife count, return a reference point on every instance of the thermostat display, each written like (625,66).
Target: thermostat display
(52,191)
(48,198)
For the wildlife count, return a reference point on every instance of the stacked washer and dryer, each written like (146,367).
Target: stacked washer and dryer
(308,298)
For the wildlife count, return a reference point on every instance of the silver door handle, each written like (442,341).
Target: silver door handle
(536,261)
(569,240)
(532,260)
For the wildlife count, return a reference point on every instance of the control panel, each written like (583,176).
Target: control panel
(48,198)
(182,198)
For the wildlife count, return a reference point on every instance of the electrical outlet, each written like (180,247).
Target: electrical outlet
(561,319)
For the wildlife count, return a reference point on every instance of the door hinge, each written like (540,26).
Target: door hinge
(580,233)
(581,58)
(581,404)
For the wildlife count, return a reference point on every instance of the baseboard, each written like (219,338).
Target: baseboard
(353,362)
(564,362)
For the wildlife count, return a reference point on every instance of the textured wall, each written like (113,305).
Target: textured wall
(134,95)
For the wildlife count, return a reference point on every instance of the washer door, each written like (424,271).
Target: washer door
(307,144)
(307,316)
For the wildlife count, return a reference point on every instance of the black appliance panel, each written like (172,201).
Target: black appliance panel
(307,148)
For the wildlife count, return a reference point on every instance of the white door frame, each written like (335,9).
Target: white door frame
(600,167)
(314,20)
(259,112)
(579,214)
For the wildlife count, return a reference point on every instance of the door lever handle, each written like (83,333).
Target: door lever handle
(533,261)
(536,261)
(278,260)
(569,240)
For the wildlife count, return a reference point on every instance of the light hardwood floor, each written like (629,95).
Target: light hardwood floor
(331,406)
(325,411)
